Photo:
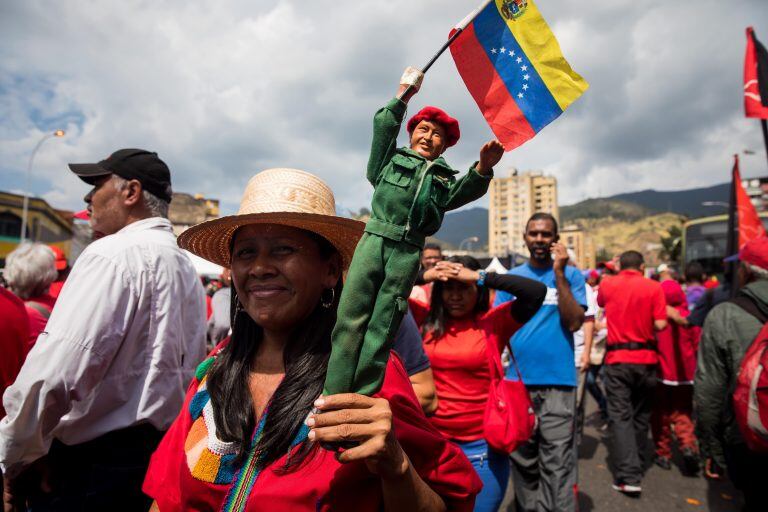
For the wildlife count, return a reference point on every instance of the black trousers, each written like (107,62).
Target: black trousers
(629,393)
(103,474)
(749,473)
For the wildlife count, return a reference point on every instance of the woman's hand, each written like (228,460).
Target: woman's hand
(442,271)
(351,417)
(466,275)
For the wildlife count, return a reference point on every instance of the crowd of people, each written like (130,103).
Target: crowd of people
(111,403)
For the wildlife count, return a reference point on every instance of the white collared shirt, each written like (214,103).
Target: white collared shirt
(119,349)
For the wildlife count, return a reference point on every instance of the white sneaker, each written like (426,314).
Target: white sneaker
(628,489)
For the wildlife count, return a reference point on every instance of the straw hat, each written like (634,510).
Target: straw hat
(289,197)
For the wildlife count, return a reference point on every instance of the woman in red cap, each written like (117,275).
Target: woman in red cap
(413,188)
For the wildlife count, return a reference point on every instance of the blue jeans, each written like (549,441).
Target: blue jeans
(493,469)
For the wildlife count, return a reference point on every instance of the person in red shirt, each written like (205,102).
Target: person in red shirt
(63,268)
(634,308)
(456,327)
(676,348)
(30,269)
(14,339)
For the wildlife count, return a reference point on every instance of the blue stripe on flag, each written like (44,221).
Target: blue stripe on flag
(537,104)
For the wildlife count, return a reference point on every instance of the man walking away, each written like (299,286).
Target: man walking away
(728,331)
(107,377)
(635,308)
(544,469)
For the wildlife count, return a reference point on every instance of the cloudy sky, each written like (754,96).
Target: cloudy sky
(224,89)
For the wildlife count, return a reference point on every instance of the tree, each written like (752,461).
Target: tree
(602,255)
(672,245)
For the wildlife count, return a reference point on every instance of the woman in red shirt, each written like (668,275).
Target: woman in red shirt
(456,345)
(254,434)
(30,269)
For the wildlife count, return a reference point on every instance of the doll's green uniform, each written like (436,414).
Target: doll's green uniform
(411,195)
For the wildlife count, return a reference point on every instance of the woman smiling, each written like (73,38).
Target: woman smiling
(250,433)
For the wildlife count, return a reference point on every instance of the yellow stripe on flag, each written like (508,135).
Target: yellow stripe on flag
(542,49)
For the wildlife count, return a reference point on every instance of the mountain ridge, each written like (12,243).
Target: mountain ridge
(628,206)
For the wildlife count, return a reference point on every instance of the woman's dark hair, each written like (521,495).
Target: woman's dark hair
(435,323)
(305,360)
(694,272)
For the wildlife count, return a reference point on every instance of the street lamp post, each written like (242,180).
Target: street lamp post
(25,208)
(470,240)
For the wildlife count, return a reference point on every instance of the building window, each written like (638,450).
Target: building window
(10,225)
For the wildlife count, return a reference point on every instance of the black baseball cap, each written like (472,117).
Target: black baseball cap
(131,164)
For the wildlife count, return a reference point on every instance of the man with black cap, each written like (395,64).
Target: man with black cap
(107,377)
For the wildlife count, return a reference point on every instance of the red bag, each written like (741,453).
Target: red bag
(509,419)
(750,398)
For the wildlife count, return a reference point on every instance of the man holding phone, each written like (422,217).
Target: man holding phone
(544,468)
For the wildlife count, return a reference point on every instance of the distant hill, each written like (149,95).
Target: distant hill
(628,207)
(636,205)
(602,208)
(683,202)
(458,226)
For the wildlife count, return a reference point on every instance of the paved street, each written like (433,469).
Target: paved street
(663,491)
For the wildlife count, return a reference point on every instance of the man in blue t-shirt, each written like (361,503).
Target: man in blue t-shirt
(544,468)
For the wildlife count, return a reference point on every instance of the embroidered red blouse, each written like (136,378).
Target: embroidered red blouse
(322,483)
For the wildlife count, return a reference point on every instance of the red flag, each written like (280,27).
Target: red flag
(755,78)
(750,225)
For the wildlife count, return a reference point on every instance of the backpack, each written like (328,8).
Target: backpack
(750,397)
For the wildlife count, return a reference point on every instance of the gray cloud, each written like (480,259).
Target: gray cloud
(222,90)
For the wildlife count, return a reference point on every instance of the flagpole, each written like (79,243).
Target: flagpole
(764,124)
(732,240)
(458,29)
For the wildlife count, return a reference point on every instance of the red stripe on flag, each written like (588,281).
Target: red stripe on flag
(489,91)
(753,102)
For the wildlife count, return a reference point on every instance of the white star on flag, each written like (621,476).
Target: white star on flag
(503,50)
(493,50)
(524,67)
(526,77)
(519,60)
(525,87)
(519,95)
(511,53)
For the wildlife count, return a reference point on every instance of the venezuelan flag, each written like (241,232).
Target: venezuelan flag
(513,67)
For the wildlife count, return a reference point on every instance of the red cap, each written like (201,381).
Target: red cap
(755,252)
(438,116)
(61,260)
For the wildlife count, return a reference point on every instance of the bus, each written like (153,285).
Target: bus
(705,240)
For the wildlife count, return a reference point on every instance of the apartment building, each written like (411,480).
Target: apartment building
(513,199)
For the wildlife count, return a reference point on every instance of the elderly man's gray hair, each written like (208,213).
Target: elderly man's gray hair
(30,269)
(156,206)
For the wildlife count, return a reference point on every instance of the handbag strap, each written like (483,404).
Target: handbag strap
(494,356)
(514,361)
